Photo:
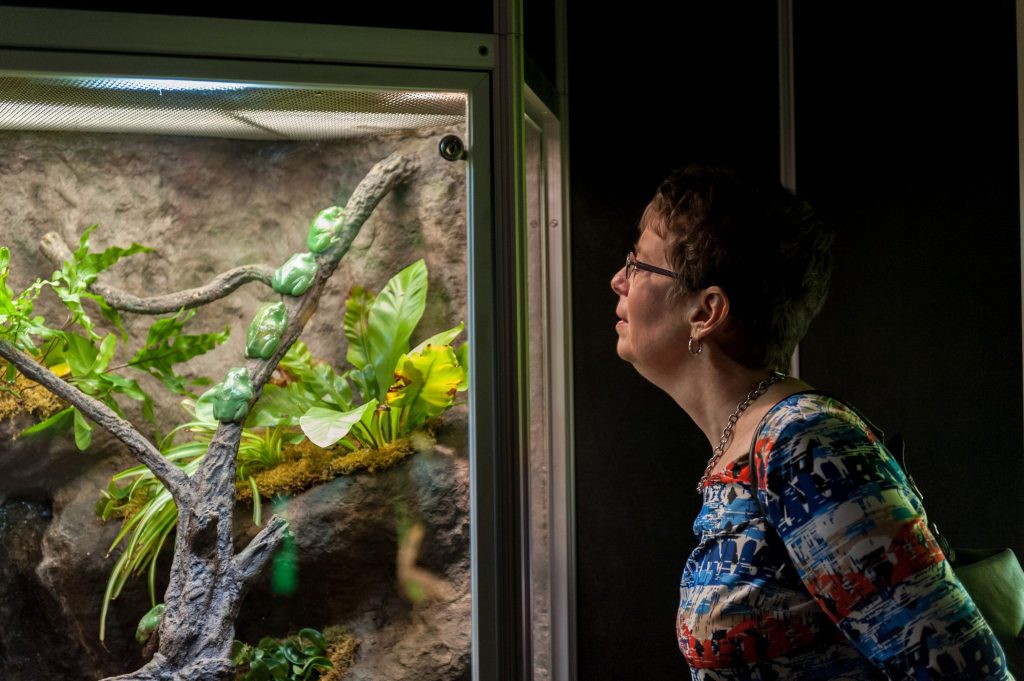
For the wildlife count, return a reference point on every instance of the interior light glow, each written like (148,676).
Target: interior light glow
(161,85)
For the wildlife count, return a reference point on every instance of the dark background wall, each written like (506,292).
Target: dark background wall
(906,140)
(650,89)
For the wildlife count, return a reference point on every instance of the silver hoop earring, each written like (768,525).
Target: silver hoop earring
(694,346)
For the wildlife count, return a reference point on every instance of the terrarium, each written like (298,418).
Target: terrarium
(237,333)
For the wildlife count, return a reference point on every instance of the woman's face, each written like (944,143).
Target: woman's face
(652,325)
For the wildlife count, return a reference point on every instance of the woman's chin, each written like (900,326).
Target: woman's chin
(623,350)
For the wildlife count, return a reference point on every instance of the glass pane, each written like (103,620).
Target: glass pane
(359,437)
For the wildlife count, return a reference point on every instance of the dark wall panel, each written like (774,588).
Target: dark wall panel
(652,87)
(907,141)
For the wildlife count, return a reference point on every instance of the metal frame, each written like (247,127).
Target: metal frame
(132,34)
(1020,142)
(787,100)
(489,68)
(787,120)
(503,652)
(557,295)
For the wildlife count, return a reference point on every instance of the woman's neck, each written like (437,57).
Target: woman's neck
(710,386)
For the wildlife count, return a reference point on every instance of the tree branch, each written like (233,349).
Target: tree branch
(380,180)
(54,248)
(166,472)
(249,562)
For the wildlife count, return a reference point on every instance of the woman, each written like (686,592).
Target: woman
(829,571)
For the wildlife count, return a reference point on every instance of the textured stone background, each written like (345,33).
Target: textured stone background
(207,205)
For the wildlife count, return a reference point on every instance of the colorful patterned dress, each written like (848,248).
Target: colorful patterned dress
(833,575)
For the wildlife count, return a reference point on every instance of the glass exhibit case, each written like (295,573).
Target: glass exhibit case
(249,299)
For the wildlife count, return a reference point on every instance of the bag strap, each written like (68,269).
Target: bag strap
(896,446)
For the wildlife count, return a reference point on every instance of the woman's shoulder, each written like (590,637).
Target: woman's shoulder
(811,413)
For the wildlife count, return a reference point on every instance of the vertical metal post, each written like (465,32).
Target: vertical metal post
(563,625)
(787,120)
(503,653)
(787,102)
(1020,142)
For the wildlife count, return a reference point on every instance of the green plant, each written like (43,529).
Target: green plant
(422,383)
(205,590)
(300,658)
(85,359)
(402,388)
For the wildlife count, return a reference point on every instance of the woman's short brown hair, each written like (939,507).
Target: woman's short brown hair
(762,245)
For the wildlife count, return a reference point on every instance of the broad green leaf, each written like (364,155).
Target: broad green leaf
(324,386)
(356,325)
(204,405)
(126,386)
(83,431)
(442,338)
(297,359)
(324,427)
(105,354)
(55,425)
(425,384)
(364,380)
(331,387)
(80,353)
(393,315)
(282,406)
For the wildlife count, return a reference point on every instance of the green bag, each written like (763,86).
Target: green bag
(995,581)
(993,577)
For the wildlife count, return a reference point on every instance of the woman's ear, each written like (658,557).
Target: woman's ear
(708,311)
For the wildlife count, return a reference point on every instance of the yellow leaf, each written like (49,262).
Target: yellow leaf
(62,369)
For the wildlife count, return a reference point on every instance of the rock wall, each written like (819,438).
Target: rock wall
(207,205)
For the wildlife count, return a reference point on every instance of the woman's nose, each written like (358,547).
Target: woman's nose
(620,284)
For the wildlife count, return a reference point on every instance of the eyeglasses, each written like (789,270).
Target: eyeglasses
(632,265)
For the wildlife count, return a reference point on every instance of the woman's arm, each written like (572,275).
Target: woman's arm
(860,542)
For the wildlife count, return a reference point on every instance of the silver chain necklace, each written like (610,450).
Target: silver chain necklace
(723,441)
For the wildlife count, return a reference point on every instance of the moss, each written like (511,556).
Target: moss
(133,505)
(25,396)
(342,647)
(305,465)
